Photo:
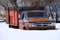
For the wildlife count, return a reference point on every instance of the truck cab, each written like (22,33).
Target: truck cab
(36,20)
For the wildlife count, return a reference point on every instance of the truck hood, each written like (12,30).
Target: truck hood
(39,20)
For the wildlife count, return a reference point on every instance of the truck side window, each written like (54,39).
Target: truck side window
(23,16)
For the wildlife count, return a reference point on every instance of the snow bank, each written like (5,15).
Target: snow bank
(7,33)
(58,25)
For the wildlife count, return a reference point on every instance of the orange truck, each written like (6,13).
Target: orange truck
(30,18)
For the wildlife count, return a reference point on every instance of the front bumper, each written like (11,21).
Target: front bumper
(42,24)
(42,28)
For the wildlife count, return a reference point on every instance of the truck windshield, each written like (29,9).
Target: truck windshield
(37,14)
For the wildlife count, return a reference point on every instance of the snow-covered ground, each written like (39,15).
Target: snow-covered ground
(7,33)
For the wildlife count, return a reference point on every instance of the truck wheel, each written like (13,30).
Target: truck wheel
(24,28)
(10,26)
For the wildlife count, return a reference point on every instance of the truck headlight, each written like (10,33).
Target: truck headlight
(32,25)
(53,24)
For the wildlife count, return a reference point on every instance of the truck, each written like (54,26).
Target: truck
(30,18)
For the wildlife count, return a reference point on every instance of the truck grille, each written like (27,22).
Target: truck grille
(40,24)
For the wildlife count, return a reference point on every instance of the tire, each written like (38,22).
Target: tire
(24,28)
(16,27)
(10,26)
